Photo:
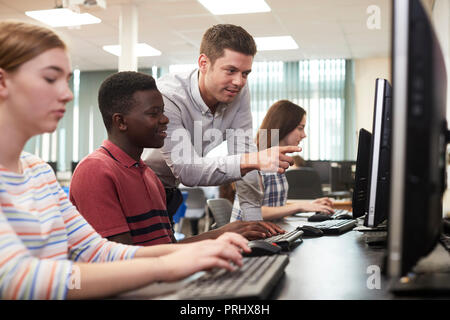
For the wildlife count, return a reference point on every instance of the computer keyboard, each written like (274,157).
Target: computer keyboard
(336,226)
(287,240)
(255,279)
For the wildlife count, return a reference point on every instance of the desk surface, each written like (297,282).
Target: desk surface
(329,267)
(343,267)
(333,267)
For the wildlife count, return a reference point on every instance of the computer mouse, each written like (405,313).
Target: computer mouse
(320,216)
(262,248)
(343,216)
(310,231)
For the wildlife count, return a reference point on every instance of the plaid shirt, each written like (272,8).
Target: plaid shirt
(275,193)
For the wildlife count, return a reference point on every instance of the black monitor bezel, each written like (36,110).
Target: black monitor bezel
(419,138)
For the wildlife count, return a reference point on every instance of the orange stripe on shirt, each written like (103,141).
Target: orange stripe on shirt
(48,207)
(49,289)
(30,210)
(12,256)
(33,164)
(54,255)
(123,254)
(32,188)
(82,239)
(7,205)
(6,232)
(39,233)
(95,251)
(16,290)
(71,218)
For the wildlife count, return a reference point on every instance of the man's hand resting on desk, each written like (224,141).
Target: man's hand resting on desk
(253,230)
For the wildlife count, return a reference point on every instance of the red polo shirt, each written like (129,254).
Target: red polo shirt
(116,194)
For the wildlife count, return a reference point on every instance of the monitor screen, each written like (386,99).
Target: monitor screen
(419,137)
(380,156)
(361,174)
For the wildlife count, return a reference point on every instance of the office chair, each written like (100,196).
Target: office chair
(323,169)
(178,216)
(221,211)
(74,165)
(304,183)
(54,165)
(195,208)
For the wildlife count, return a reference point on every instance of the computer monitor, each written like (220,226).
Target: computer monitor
(359,203)
(380,156)
(419,138)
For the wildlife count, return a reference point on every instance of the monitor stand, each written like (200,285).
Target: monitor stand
(375,237)
(426,283)
(431,275)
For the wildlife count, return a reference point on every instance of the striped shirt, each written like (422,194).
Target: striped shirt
(275,193)
(42,234)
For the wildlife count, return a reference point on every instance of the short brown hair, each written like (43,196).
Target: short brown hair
(21,42)
(283,115)
(226,36)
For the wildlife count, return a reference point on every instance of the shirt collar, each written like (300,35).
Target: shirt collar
(195,92)
(121,156)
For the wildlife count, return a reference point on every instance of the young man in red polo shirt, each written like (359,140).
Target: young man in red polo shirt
(114,190)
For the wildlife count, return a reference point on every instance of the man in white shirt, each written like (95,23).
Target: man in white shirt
(205,107)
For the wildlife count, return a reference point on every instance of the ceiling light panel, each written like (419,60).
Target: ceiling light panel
(275,43)
(62,17)
(220,7)
(142,50)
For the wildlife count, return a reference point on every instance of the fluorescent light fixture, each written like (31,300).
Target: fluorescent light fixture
(62,17)
(219,7)
(142,50)
(275,43)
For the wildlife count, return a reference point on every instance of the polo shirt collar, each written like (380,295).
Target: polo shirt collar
(121,156)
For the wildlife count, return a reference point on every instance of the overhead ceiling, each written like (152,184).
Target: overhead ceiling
(321,28)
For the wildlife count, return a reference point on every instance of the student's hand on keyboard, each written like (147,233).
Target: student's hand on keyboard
(316,207)
(232,238)
(223,252)
(324,201)
(253,230)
